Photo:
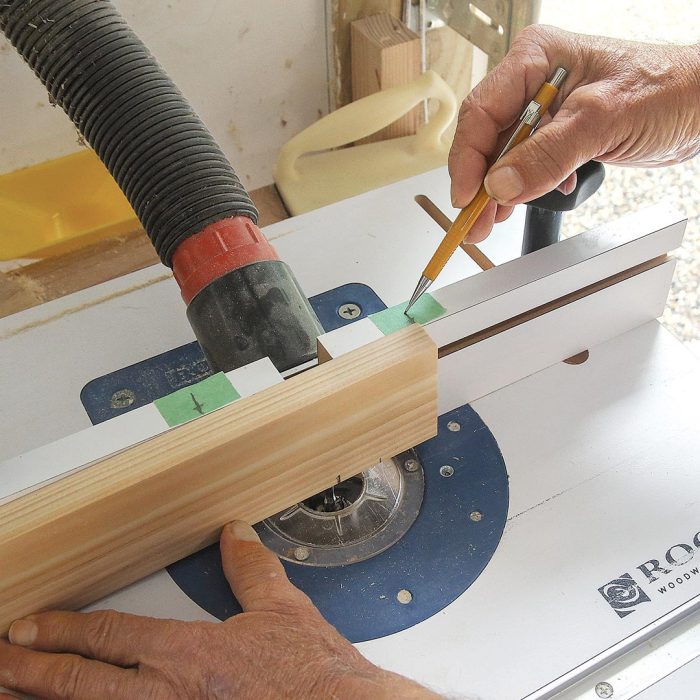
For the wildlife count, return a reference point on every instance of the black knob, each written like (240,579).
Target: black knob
(543,218)
(589,177)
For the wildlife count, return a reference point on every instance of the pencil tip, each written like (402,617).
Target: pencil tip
(422,285)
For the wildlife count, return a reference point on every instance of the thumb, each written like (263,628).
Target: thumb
(542,162)
(256,576)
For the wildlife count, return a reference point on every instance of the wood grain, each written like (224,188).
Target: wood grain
(385,54)
(78,539)
(15,296)
(341,14)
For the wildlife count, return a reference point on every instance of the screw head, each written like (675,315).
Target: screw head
(604,690)
(404,597)
(411,465)
(122,398)
(446,470)
(301,553)
(453,426)
(349,311)
(475,516)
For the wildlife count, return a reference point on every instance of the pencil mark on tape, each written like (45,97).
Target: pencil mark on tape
(199,407)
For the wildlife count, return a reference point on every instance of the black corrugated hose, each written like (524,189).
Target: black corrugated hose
(163,158)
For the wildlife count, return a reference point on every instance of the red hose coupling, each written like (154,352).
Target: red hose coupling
(217,249)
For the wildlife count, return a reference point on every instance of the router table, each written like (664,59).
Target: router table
(548,540)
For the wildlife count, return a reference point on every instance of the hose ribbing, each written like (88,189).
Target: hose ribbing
(161,155)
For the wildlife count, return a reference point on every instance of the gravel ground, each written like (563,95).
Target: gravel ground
(629,189)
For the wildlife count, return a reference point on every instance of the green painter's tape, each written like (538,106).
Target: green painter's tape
(394,319)
(196,400)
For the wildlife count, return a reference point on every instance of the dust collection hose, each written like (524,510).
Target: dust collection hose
(243,302)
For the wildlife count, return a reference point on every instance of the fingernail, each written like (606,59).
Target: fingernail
(242,531)
(503,184)
(23,633)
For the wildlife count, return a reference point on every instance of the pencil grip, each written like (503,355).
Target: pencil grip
(459,229)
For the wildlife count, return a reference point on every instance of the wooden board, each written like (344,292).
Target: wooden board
(385,53)
(341,13)
(139,510)
(15,296)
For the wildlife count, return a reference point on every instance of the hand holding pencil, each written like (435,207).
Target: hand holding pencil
(529,119)
(623,102)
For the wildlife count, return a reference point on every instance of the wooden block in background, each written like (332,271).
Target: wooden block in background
(342,14)
(96,530)
(385,53)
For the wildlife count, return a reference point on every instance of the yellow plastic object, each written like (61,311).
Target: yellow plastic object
(59,205)
(308,179)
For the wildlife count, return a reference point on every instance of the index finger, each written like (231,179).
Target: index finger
(60,676)
(256,575)
(493,106)
(105,635)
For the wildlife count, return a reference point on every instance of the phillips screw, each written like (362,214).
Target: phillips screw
(349,311)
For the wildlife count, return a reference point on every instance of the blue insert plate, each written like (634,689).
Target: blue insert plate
(454,537)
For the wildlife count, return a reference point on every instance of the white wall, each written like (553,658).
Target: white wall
(255,71)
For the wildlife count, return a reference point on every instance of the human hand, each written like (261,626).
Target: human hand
(622,102)
(279,647)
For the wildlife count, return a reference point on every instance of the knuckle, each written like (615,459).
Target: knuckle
(292,603)
(99,628)
(263,590)
(597,103)
(468,111)
(534,35)
(527,35)
(467,107)
(259,559)
(260,567)
(66,676)
(550,156)
(180,645)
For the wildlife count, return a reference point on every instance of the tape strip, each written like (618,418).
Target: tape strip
(196,400)
(394,319)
